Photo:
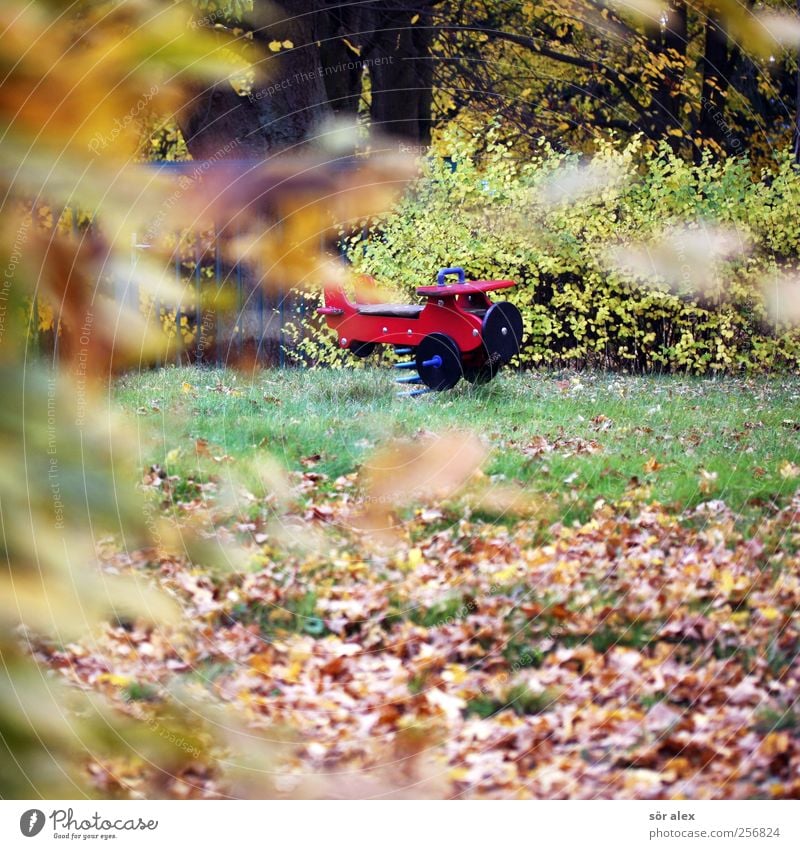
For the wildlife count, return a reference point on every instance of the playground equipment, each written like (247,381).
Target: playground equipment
(458,332)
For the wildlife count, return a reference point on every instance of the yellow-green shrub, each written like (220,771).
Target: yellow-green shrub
(487,214)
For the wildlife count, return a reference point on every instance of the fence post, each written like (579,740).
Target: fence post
(239,309)
(198,317)
(260,322)
(178,338)
(282,315)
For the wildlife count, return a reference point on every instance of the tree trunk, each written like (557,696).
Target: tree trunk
(401,73)
(321,74)
(664,112)
(797,106)
(717,65)
(287,102)
(341,30)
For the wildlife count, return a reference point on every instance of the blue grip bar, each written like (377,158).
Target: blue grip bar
(445,271)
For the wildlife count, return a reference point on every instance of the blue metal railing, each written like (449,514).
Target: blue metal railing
(259,325)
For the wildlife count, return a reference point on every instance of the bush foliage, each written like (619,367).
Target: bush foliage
(500,217)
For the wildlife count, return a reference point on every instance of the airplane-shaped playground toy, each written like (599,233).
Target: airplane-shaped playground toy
(458,332)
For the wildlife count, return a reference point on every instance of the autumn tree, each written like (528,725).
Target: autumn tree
(705,77)
(323,58)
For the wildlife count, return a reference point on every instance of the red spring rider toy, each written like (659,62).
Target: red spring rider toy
(458,332)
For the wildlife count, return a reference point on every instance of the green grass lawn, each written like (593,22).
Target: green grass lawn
(575,438)
(621,648)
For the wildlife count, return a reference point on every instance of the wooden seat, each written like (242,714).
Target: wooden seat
(391,310)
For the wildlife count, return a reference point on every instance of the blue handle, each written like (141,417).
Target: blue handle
(445,271)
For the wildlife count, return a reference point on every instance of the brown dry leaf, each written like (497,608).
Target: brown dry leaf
(789,470)
(431,468)
(602,422)
(390,663)
(652,465)
(707,481)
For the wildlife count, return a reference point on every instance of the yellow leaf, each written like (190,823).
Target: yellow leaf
(505,574)
(292,672)
(455,673)
(274,46)
(288,45)
(415,558)
(459,773)
(186,387)
(261,663)
(173,456)
(116,680)
(351,46)
(414,19)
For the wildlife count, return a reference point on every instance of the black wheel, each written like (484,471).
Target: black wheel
(362,349)
(483,373)
(438,362)
(502,331)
